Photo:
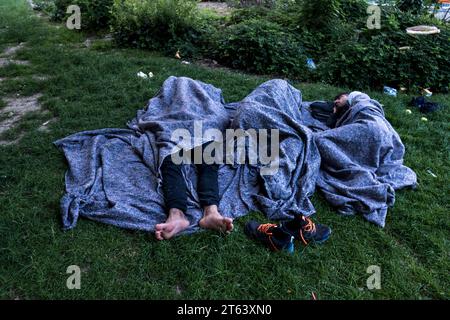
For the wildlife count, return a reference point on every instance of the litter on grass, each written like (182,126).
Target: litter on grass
(422,30)
(431,173)
(310,64)
(427,92)
(143,75)
(390,91)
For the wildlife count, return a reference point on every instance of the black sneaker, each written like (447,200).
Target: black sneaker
(271,235)
(305,230)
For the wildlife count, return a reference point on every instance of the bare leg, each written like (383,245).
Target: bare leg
(175,223)
(213,220)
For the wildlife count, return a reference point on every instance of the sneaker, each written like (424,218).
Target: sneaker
(305,230)
(271,235)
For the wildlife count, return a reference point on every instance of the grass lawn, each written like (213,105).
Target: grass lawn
(97,87)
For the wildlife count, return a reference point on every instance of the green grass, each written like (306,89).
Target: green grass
(97,88)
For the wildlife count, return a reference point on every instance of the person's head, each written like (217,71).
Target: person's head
(341,100)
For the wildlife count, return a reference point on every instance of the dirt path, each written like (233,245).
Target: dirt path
(16,106)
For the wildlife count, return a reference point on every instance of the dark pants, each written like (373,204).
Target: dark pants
(174,187)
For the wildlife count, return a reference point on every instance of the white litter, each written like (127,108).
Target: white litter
(185,62)
(142,75)
(427,92)
(150,75)
(431,173)
(422,30)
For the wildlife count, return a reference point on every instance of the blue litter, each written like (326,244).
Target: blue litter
(310,63)
(390,91)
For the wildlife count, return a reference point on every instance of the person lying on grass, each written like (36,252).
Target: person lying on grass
(329,112)
(175,196)
(276,237)
(341,105)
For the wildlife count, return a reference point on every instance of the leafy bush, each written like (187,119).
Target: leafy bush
(286,15)
(246,14)
(95,14)
(278,40)
(47,6)
(160,25)
(319,15)
(353,11)
(414,6)
(374,58)
(360,64)
(262,47)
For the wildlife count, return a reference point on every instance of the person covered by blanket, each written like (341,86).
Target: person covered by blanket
(340,106)
(329,112)
(342,103)
(175,197)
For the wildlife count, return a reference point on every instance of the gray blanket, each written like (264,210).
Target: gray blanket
(114,174)
(362,162)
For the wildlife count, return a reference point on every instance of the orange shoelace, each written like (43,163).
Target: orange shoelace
(264,228)
(309,227)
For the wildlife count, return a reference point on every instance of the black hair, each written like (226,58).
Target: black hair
(340,95)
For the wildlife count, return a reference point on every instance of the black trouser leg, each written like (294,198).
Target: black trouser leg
(174,187)
(208,186)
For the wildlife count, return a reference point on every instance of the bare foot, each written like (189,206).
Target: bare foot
(176,222)
(213,220)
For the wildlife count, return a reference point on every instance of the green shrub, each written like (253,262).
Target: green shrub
(286,14)
(46,6)
(95,14)
(353,11)
(262,47)
(414,6)
(163,25)
(277,41)
(359,64)
(246,14)
(426,64)
(374,59)
(319,15)
(320,24)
